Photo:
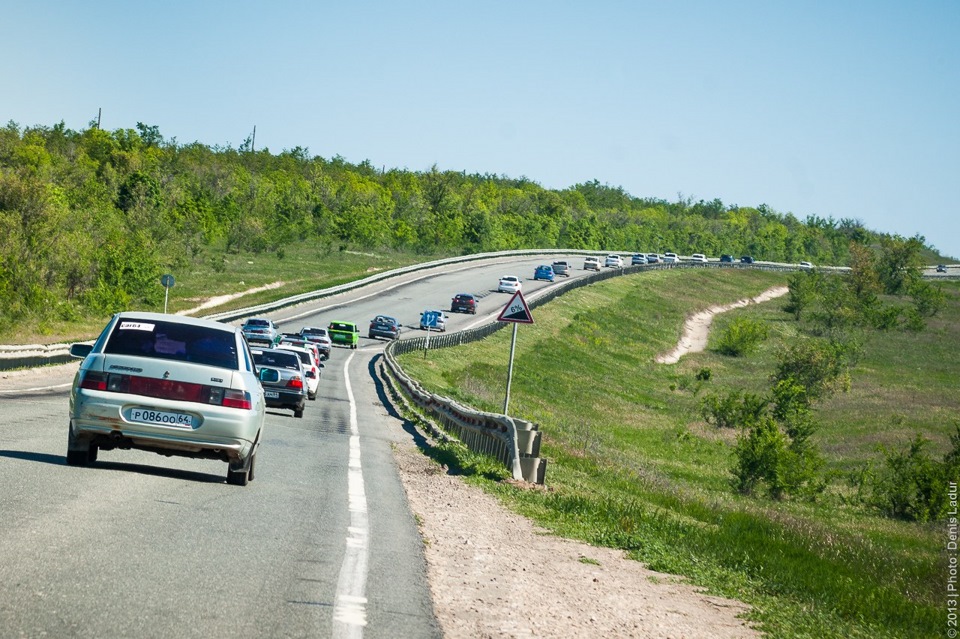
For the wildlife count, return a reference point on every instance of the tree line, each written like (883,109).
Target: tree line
(91,218)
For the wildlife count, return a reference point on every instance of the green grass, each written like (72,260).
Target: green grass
(633,466)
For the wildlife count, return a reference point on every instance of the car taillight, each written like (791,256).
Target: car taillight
(166,389)
(93,380)
(295,382)
(237,399)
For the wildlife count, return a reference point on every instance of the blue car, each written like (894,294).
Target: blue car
(543,272)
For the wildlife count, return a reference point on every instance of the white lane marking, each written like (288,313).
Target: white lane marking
(349,606)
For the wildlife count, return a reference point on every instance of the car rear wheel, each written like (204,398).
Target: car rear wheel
(240,476)
(80,452)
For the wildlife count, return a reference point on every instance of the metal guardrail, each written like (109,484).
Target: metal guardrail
(513,442)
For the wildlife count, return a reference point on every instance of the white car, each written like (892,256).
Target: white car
(671,258)
(806,265)
(700,258)
(614,261)
(310,361)
(509,284)
(591,263)
(172,385)
(433,320)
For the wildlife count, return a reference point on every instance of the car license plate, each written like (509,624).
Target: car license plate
(163,418)
(271,394)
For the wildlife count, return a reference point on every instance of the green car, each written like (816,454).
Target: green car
(344,333)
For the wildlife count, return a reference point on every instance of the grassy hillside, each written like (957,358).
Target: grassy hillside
(633,465)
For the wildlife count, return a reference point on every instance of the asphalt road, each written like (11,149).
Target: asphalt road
(321,543)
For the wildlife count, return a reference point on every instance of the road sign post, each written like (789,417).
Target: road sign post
(167,281)
(517,312)
(429,319)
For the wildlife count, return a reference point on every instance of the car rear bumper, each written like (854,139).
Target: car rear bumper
(217,432)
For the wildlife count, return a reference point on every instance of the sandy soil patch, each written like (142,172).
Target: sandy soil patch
(493,573)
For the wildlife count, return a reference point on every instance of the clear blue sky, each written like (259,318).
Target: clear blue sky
(849,109)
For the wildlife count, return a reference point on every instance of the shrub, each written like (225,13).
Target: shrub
(735,409)
(742,337)
(768,458)
(910,484)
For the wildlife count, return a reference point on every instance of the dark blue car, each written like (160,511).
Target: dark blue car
(543,272)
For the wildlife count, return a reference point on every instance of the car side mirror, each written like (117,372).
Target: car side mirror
(80,350)
(269,375)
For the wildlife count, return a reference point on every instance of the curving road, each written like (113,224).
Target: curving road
(322,543)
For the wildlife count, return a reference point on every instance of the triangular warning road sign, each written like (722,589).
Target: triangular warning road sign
(516,310)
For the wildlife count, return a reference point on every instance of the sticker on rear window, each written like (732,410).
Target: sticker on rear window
(136,326)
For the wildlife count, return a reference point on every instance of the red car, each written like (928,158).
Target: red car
(464,303)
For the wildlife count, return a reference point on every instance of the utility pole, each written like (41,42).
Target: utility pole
(99,113)
(253,142)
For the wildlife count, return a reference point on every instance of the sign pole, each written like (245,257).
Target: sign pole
(517,312)
(167,281)
(513,348)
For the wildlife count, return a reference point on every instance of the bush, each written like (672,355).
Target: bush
(910,484)
(768,458)
(736,409)
(742,337)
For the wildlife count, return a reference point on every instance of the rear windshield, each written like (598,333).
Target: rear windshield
(173,341)
(257,322)
(304,357)
(341,327)
(277,359)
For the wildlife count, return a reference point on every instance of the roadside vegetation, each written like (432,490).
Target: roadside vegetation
(93,218)
(791,475)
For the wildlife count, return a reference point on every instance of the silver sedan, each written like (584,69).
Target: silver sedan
(168,384)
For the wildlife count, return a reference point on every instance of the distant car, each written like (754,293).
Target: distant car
(260,331)
(509,284)
(320,337)
(290,390)
(699,258)
(344,333)
(310,362)
(806,265)
(561,267)
(543,272)
(384,326)
(638,258)
(614,261)
(433,320)
(941,268)
(591,263)
(464,303)
(746,259)
(171,385)
(726,259)
(653,258)
(671,258)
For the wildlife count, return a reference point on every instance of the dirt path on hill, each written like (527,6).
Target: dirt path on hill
(696,329)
